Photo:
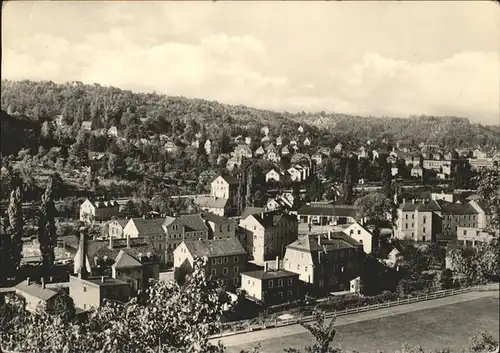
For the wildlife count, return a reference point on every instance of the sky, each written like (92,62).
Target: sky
(363,58)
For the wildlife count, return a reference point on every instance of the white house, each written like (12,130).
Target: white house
(307,142)
(296,173)
(260,151)
(300,129)
(208,146)
(279,141)
(113,131)
(274,175)
(265,130)
(361,235)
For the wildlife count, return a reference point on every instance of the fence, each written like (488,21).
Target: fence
(244,327)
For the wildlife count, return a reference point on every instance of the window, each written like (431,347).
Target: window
(424,229)
(225,260)
(235,281)
(406,225)
(270,283)
(321,283)
(289,293)
(85,306)
(220,260)
(425,218)
(224,271)
(214,271)
(359,232)
(84,288)
(465,232)
(406,217)
(280,283)
(289,281)
(298,267)
(213,261)
(236,259)
(235,269)
(280,294)
(305,268)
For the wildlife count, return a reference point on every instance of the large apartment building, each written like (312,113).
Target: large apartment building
(324,262)
(268,233)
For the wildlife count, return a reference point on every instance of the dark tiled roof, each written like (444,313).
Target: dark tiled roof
(35,290)
(251,210)
(124,260)
(210,217)
(338,240)
(423,207)
(192,222)
(149,225)
(100,248)
(328,211)
(214,247)
(230,179)
(456,208)
(269,218)
(271,274)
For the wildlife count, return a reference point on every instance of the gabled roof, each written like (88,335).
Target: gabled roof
(138,247)
(337,241)
(122,222)
(214,247)
(270,218)
(271,274)
(210,217)
(148,226)
(124,260)
(423,207)
(456,208)
(228,179)
(251,210)
(210,202)
(35,290)
(192,222)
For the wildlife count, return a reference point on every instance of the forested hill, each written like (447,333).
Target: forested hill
(446,131)
(109,106)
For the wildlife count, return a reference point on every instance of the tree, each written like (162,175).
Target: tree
(462,176)
(488,187)
(349,180)
(374,206)
(323,335)
(63,306)
(15,229)
(249,196)
(47,236)
(386,177)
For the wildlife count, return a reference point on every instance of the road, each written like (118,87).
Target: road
(258,336)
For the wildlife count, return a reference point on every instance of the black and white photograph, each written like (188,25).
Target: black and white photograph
(250,177)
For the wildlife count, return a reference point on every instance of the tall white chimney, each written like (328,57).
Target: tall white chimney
(277,262)
(319,239)
(128,240)
(266,267)
(329,234)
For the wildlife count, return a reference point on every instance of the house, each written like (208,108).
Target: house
(115,228)
(226,259)
(260,151)
(243,151)
(273,156)
(393,258)
(293,142)
(296,173)
(300,129)
(362,152)
(264,130)
(301,158)
(394,171)
(113,131)
(86,126)
(318,157)
(60,121)
(324,262)
(477,153)
(126,268)
(285,151)
(271,286)
(171,147)
(268,233)
(225,187)
(248,140)
(417,221)
(150,228)
(219,227)
(215,205)
(265,140)
(307,142)
(234,161)
(275,175)
(417,172)
(473,236)
(338,148)
(89,291)
(327,214)
(278,203)
(36,295)
(455,215)
(279,141)
(270,148)
(98,210)
(208,146)
(481,163)
(362,235)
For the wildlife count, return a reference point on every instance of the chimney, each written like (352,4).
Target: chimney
(329,234)
(277,262)
(111,242)
(128,240)
(43,283)
(266,267)
(412,200)
(28,281)
(82,271)
(319,239)
(103,279)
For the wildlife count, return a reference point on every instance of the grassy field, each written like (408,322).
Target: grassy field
(446,326)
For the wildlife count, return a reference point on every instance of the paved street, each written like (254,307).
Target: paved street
(258,336)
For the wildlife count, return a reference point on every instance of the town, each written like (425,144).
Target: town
(283,222)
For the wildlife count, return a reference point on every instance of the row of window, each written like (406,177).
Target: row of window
(225,270)
(225,260)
